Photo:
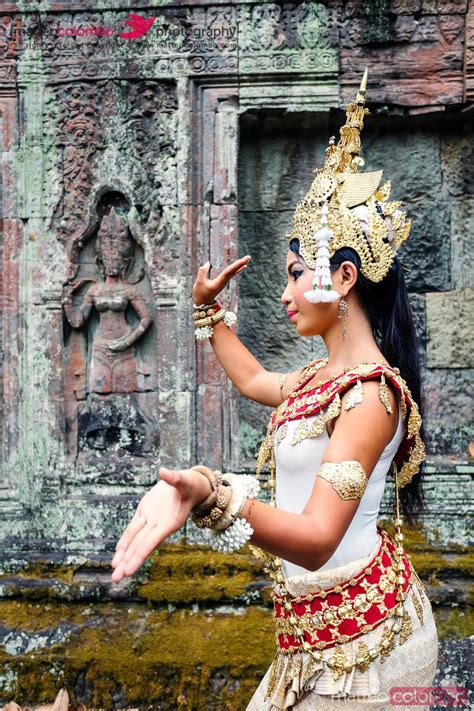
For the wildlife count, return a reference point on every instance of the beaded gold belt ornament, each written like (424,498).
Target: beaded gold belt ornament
(325,618)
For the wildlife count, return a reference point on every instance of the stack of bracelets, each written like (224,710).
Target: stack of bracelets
(206,315)
(220,513)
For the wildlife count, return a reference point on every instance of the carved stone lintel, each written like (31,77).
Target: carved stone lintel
(469,56)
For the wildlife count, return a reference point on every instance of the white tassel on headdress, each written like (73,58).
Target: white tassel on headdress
(322,283)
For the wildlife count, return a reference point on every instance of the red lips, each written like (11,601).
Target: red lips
(291,313)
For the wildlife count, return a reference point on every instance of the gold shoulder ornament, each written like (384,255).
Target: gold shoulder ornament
(347,478)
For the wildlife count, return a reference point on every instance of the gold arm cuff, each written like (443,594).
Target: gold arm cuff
(347,478)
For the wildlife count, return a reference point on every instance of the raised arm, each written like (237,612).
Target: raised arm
(248,375)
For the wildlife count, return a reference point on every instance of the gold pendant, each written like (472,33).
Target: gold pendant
(384,396)
(362,657)
(339,663)
(301,432)
(387,644)
(418,607)
(281,433)
(355,397)
(406,628)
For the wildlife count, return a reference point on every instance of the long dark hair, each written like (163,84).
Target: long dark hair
(388,309)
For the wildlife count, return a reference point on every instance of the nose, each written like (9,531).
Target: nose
(286,296)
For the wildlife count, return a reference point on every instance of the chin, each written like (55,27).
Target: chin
(307,330)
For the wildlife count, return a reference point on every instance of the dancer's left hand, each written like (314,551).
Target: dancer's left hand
(161,512)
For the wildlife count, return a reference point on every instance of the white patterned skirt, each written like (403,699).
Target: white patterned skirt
(313,687)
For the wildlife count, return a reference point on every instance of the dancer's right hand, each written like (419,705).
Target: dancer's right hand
(206,290)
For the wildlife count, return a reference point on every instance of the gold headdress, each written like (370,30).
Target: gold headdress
(338,204)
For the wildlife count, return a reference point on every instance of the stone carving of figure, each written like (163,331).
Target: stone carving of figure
(111,415)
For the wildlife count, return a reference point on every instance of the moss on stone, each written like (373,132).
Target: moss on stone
(178,658)
(184,574)
(455,624)
(181,659)
(35,617)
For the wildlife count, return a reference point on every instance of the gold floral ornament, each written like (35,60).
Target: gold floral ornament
(346,208)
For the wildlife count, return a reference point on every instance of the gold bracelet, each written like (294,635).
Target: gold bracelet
(210,320)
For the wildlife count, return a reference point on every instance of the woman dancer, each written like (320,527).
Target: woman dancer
(353,622)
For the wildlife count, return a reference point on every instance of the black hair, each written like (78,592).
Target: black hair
(388,309)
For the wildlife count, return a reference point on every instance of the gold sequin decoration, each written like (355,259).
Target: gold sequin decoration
(355,397)
(281,433)
(309,671)
(347,478)
(301,432)
(384,395)
(293,668)
(306,431)
(338,663)
(403,406)
(275,673)
(418,607)
(387,643)
(362,657)
(406,628)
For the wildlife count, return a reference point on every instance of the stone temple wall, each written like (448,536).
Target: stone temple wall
(134,148)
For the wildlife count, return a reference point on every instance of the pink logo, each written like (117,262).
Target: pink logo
(140,26)
(444,696)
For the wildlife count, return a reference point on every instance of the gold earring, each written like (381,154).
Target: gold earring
(343,312)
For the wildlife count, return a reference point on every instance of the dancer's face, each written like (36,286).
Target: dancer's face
(309,319)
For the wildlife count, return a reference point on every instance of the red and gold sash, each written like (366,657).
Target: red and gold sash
(350,609)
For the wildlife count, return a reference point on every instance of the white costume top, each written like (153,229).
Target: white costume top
(296,471)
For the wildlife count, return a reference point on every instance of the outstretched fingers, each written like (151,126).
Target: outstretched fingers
(136,524)
(138,551)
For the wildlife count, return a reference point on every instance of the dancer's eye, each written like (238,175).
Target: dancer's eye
(296,273)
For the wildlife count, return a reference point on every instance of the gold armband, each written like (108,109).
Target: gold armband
(347,478)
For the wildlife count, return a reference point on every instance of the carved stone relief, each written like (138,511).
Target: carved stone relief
(108,354)
(131,123)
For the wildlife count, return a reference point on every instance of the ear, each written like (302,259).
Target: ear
(345,277)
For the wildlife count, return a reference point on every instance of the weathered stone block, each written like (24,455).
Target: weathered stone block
(262,235)
(462,242)
(449,329)
(457,154)
(408,154)
(448,418)
(278,155)
(427,252)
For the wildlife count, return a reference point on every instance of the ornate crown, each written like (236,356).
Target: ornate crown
(340,203)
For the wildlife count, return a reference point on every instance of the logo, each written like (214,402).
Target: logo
(448,697)
(140,26)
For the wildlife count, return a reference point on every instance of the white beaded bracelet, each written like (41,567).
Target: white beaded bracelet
(236,531)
